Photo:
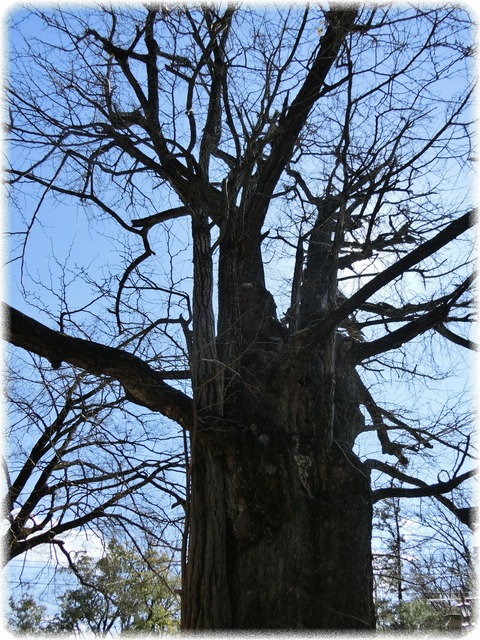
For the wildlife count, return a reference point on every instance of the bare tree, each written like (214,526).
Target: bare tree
(319,162)
(423,555)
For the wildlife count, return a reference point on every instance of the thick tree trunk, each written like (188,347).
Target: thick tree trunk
(280,532)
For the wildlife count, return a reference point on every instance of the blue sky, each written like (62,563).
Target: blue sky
(68,238)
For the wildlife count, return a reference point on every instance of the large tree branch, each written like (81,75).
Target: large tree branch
(143,385)
(292,122)
(162,216)
(456,339)
(395,339)
(422,490)
(320,328)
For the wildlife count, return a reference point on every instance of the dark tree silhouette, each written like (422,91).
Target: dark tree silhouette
(313,166)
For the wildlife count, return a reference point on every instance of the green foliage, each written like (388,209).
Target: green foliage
(419,615)
(409,615)
(125,591)
(26,615)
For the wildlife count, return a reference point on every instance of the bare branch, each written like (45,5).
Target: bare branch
(162,216)
(428,248)
(410,330)
(455,338)
(422,489)
(143,385)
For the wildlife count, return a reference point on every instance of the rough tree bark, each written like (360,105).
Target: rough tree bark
(281,527)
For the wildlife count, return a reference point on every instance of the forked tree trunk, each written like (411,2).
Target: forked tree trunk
(280,534)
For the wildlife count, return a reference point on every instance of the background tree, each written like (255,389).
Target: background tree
(26,615)
(388,563)
(324,149)
(445,572)
(424,564)
(124,590)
